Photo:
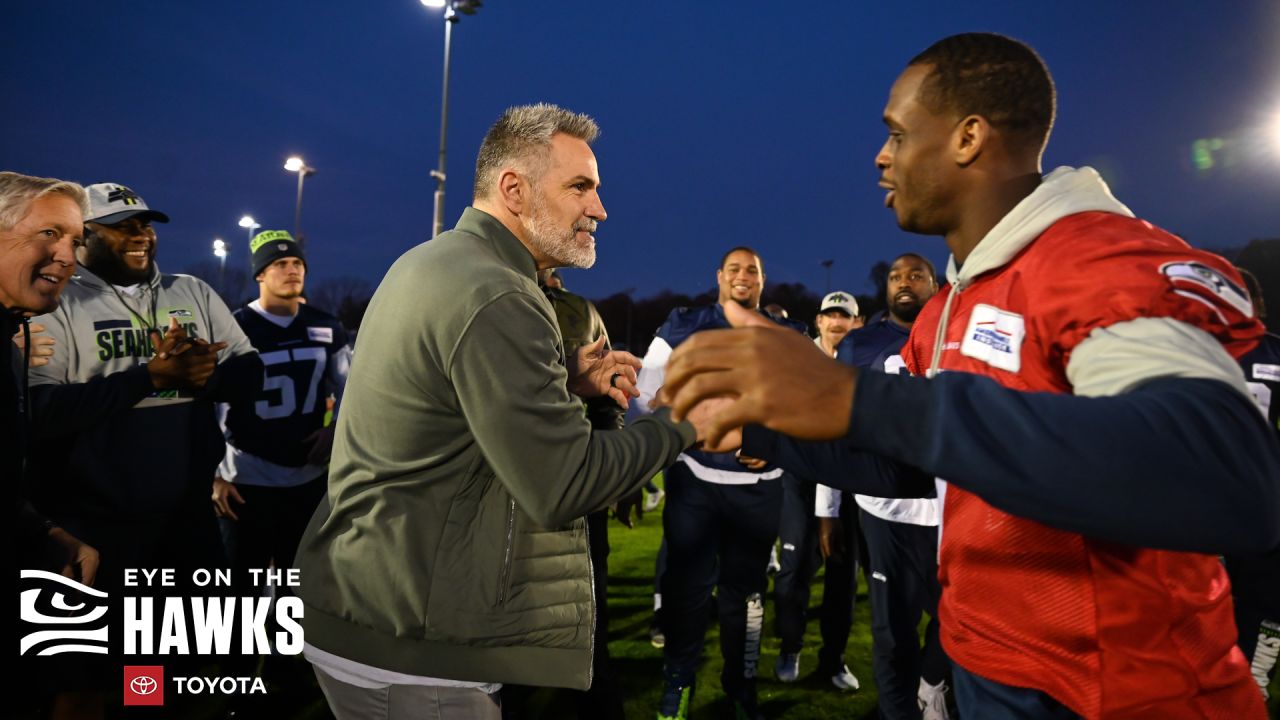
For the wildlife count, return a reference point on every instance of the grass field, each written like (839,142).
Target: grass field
(639,665)
(631,603)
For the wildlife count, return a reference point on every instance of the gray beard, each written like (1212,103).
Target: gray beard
(560,245)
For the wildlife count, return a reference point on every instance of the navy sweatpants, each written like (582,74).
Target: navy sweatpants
(712,531)
(903,585)
(800,558)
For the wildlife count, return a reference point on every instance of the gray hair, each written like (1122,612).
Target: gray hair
(523,136)
(18,191)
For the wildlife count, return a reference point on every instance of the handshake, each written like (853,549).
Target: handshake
(721,380)
(757,373)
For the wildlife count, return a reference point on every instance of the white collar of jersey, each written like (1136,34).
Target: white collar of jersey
(1065,191)
(283,322)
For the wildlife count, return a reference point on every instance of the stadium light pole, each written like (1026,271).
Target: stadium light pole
(250,224)
(295,164)
(1273,131)
(220,252)
(451,9)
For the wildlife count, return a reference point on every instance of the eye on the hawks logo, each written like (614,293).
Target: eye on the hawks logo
(60,615)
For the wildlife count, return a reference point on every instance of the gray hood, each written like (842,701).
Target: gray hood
(1065,191)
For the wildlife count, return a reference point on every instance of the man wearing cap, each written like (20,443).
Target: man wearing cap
(128,397)
(837,315)
(800,557)
(278,445)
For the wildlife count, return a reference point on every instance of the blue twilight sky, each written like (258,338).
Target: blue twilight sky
(724,123)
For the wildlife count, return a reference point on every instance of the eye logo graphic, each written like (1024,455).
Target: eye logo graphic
(60,615)
(144,685)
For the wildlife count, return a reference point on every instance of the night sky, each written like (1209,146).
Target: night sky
(724,123)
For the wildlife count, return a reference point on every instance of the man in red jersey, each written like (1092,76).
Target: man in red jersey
(1092,436)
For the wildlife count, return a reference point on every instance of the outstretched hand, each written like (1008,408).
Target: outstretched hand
(772,376)
(595,371)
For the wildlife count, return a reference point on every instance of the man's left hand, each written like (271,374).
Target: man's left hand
(625,506)
(594,371)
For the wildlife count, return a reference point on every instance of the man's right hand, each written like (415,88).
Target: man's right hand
(771,375)
(831,538)
(181,362)
(223,492)
(703,415)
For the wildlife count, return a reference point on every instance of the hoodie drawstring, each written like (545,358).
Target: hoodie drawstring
(942,332)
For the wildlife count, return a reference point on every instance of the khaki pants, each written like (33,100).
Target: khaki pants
(407,702)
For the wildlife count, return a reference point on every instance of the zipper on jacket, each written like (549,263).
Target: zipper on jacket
(505,575)
(591,582)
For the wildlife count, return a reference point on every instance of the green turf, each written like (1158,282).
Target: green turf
(639,664)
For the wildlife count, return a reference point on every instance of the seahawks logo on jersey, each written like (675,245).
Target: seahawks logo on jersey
(1184,274)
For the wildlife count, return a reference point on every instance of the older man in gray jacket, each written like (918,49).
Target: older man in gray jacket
(452,554)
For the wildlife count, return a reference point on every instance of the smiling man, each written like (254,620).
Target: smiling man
(40,227)
(110,363)
(452,554)
(126,404)
(720,521)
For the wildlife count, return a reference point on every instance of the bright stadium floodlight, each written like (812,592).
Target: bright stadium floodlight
(295,164)
(220,252)
(247,222)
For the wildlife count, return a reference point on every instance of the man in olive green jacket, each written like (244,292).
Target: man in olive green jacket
(451,554)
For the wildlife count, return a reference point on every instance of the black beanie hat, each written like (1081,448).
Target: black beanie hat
(269,246)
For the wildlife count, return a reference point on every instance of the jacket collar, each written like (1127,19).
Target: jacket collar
(508,246)
(1065,191)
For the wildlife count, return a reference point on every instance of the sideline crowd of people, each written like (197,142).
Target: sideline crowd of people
(1063,450)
